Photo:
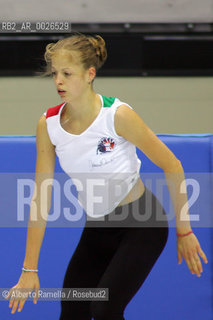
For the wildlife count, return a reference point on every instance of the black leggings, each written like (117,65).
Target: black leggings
(117,258)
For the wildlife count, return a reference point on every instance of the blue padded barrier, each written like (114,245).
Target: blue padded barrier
(170,291)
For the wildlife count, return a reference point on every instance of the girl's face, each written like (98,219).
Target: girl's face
(70,78)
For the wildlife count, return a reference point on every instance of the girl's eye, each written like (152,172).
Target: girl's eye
(65,73)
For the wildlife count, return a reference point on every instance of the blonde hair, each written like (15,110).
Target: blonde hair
(91,50)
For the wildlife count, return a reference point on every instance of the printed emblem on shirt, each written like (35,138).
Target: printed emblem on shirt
(105,144)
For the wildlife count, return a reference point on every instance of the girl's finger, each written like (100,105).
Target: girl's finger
(11,302)
(179,257)
(15,304)
(195,264)
(10,292)
(36,295)
(21,305)
(202,254)
(198,262)
(188,262)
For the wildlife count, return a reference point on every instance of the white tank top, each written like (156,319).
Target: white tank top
(103,165)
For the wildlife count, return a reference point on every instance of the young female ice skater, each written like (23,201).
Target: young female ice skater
(97,135)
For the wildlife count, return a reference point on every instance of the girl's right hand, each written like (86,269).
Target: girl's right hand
(28,282)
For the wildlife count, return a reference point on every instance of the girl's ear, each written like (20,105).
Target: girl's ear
(91,74)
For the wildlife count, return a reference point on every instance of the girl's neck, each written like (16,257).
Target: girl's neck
(88,105)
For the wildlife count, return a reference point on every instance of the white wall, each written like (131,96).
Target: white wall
(108,10)
(167,105)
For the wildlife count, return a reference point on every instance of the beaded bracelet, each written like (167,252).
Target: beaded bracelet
(183,235)
(31,270)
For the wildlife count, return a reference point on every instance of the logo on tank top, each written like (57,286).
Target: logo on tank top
(106,144)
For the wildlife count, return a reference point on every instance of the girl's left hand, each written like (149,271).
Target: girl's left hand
(189,247)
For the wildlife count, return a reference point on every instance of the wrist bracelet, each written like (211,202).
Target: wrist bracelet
(185,234)
(31,270)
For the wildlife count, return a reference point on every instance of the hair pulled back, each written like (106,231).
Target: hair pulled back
(91,50)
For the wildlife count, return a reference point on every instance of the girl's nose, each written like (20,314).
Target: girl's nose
(58,79)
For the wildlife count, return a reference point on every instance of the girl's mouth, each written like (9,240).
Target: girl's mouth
(61,92)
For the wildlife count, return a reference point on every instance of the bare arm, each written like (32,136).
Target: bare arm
(130,126)
(45,164)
